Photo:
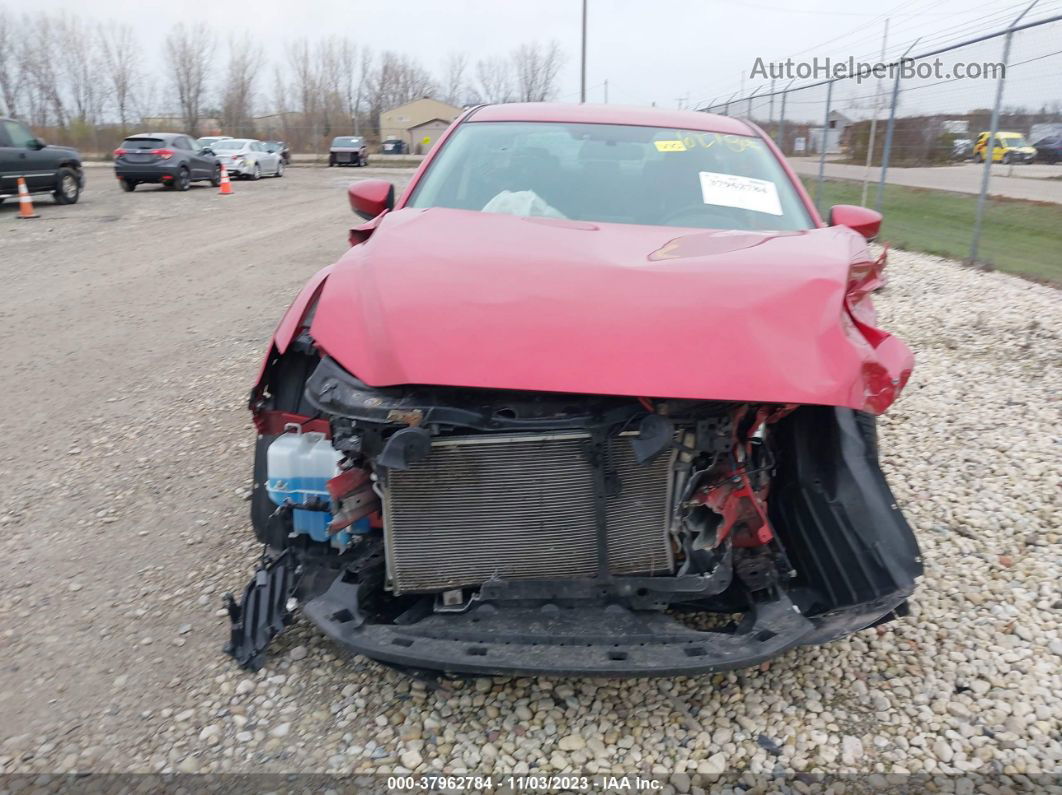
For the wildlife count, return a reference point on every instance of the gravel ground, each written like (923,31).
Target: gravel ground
(132,341)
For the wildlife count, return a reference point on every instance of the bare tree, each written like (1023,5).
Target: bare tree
(334,84)
(280,91)
(41,77)
(494,80)
(124,68)
(454,87)
(81,68)
(10,72)
(395,80)
(348,67)
(364,71)
(536,67)
(189,54)
(145,100)
(305,89)
(237,96)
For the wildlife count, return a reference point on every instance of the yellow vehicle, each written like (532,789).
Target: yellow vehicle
(1011,147)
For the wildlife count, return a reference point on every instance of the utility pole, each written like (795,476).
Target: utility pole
(874,120)
(606,91)
(582,65)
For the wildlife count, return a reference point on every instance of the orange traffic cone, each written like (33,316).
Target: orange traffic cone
(25,203)
(226,186)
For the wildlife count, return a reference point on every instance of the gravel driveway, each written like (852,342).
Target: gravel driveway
(133,327)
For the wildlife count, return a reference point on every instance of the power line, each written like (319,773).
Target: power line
(964,30)
(954,33)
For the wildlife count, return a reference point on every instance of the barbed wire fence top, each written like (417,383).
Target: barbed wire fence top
(937,105)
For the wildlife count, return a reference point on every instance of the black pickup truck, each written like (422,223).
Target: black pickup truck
(47,169)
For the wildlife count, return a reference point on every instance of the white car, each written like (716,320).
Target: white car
(207,140)
(248,158)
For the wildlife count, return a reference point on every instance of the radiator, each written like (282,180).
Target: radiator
(521,506)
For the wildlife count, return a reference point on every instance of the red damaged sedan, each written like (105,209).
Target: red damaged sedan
(595,395)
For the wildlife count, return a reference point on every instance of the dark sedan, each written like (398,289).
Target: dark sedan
(281,148)
(1049,150)
(172,159)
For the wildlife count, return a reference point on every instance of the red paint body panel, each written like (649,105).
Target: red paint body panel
(461,298)
(612,114)
(291,323)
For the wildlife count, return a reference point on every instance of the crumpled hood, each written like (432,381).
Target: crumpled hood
(459,298)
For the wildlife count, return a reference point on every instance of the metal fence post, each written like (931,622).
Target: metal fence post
(887,150)
(990,144)
(781,119)
(726,110)
(822,143)
(770,108)
(754,93)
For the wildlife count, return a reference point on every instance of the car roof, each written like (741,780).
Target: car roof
(610,114)
(154,135)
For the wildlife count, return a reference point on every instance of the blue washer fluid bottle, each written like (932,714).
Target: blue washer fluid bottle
(299,466)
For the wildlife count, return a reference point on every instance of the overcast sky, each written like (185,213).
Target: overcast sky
(649,50)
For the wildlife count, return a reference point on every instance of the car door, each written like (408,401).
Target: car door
(189,153)
(205,162)
(979,145)
(27,159)
(1000,149)
(8,159)
(186,153)
(266,159)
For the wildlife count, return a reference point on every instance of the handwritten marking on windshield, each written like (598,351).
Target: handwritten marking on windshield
(735,143)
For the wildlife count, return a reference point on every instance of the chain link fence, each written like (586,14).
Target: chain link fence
(911,140)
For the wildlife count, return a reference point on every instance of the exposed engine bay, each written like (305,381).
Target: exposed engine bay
(484,530)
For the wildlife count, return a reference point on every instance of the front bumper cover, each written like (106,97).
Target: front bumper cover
(556,640)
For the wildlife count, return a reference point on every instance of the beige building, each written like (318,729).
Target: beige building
(417,122)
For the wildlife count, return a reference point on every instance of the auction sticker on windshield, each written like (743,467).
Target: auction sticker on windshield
(670,146)
(745,193)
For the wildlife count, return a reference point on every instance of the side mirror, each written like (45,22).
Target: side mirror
(37,143)
(206,151)
(860,219)
(370,197)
